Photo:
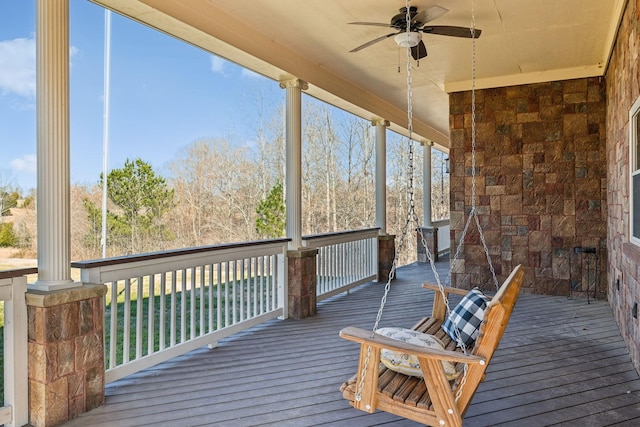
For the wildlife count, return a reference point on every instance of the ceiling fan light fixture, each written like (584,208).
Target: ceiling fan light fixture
(408,39)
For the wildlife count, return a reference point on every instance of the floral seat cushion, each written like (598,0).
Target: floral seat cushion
(408,364)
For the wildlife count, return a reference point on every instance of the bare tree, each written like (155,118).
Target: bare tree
(216,193)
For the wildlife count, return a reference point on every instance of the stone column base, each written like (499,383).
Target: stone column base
(431,238)
(302,283)
(386,255)
(66,353)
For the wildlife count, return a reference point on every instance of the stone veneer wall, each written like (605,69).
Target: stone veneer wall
(540,182)
(623,88)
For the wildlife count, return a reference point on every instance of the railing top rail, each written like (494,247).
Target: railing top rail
(329,239)
(340,233)
(126,259)
(18,272)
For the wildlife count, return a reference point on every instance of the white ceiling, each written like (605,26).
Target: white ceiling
(522,41)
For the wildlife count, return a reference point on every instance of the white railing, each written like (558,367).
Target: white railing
(165,304)
(345,260)
(444,235)
(14,412)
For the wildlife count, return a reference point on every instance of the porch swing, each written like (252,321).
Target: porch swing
(402,371)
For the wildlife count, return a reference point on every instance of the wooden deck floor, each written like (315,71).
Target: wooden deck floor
(561,362)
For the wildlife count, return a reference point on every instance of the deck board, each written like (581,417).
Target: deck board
(561,362)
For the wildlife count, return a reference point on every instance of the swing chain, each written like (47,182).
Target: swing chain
(410,213)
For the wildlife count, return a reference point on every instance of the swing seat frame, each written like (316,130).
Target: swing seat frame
(431,401)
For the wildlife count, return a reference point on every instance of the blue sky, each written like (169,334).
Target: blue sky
(165,94)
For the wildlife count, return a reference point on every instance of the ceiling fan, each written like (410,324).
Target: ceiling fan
(413,37)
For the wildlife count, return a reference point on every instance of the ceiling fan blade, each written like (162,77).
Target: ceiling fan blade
(448,30)
(419,51)
(375,24)
(428,15)
(369,43)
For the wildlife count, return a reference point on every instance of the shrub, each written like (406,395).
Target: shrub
(7,235)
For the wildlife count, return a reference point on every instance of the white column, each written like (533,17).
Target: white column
(426,185)
(293,184)
(381,174)
(52,115)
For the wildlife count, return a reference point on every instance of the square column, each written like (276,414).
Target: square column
(386,255)
(66,353)
(430,236)
(302,283)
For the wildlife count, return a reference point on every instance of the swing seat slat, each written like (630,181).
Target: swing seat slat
(432,400)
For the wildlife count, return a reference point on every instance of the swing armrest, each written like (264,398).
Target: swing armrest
(379,341)
(439,310)
(447,289)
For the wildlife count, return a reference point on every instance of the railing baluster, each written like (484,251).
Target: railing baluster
(261,275)
(183,305)
(253,289)
(231,297)
(211,294)
(322,268)
(219,295)
(151,316)
(340,273)
(203,329)
(243,290)
(163,303)
(113,333)
(192,303)
(127,321)
(174,308)
(273,273)
(139,316)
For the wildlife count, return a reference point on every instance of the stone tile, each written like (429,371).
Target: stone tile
(76,407)
(86,316)
(75,383)
(89,351)
(539,241)
(94,386)
(36,324)
(61,322)
(37,362)
(65,358)
(563,225)
(37,404)
(52,400)
(575,125)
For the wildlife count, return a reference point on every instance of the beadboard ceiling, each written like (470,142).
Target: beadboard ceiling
(522,41)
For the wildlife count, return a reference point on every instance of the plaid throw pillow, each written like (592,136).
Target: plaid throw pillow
(466,317)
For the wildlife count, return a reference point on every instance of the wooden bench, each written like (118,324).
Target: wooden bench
(431,401)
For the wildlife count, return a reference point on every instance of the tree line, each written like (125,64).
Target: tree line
(215,192)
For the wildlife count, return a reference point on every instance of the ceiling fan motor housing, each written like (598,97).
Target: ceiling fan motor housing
(399,21)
